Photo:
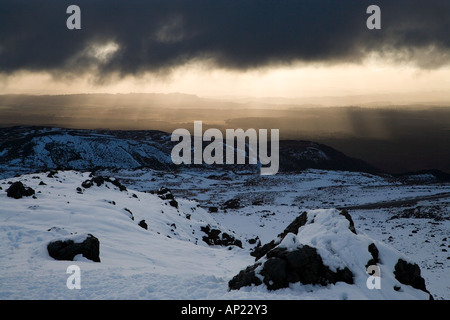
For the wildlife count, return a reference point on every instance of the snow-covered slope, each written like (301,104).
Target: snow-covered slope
(25,150)
(32,149)
(171,246)
(88,207)
(169,259)
(414,218)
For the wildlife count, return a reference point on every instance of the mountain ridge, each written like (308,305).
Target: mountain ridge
(25,149)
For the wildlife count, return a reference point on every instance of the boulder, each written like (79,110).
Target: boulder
(284,266)
(17,190)
(293,227)
(88,247)
(322,248)
(87,184)
(409,274)
(143,224)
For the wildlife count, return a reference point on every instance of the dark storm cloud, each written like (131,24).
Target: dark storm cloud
(235,34)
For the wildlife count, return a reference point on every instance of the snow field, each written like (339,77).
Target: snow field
(167,261)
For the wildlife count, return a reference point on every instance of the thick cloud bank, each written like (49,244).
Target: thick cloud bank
(131,37)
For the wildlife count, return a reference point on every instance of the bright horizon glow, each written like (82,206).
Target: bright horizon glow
(294,81)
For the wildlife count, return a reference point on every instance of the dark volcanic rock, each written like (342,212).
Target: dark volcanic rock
(99,181)
(275,274)
(232,204)
(374,252)
(143,224)
(350,220)
(87,184)
(293,227)
(52,173)
(17,190)
(409,274)
(165,194)
(319,248)
(68,249)
(434,212)
(130,214)
(254,240)
(245,278)
(213,209)
(284,266)
(217,237)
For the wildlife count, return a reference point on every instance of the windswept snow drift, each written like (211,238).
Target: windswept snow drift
(169,259)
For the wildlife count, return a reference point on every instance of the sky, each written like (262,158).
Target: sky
(246,48)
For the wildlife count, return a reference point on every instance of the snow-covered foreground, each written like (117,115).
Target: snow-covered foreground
(169,259)
(269,204)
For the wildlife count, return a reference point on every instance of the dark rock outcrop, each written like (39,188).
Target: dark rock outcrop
(52,173)
(17,190)
(213,209)
(321,248)
(165,194)
(99,180)
(217,237)
(293,227)
(372,248)
(129,213)
(232,204)
(143,224)
(245,278)
(350,220)
(409,274)
(283,267)
(68,249)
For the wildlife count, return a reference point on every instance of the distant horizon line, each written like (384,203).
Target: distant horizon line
(369,99)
